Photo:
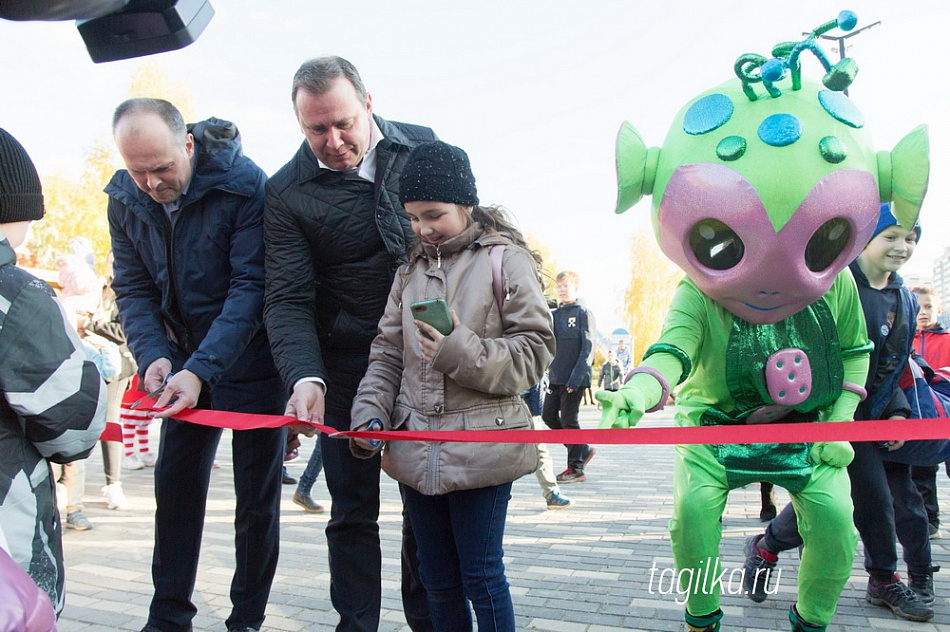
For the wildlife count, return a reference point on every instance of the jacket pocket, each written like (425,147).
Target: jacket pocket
(508,414)
(400,418)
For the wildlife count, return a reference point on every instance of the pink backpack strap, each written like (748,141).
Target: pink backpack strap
(495,254)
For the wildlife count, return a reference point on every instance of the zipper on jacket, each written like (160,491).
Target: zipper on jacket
(186,345)
(432,465)
(438,254)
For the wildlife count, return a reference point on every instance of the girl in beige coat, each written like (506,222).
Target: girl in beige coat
(457,494)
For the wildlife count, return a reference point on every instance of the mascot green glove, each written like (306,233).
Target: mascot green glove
(766,187)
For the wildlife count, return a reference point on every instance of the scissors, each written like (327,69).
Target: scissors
(375,424)
(156,393)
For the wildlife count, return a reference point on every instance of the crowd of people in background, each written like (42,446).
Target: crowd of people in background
(231,290)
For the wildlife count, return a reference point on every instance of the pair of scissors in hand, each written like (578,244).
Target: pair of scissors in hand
(154,394)
(374,425)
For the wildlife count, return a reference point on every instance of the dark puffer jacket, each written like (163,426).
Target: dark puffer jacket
(194,293)
(891,316)
(333,245)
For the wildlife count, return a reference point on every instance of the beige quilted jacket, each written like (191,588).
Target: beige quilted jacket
(475,379)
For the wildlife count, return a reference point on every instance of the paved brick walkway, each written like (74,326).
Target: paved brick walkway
(584,569)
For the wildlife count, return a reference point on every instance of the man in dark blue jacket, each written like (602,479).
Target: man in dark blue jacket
(186,218)
(335,234)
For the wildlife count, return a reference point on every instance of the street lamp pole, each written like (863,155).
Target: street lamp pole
(840,39)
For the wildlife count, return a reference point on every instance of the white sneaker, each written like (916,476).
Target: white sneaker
(60,496)
(148,458)
(115,497)
(132,463)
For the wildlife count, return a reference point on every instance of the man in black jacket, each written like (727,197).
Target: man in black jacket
(186,219)
(334,234)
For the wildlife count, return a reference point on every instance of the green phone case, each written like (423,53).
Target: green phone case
(433,312)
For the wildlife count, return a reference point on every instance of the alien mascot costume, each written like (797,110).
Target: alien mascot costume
(763,192)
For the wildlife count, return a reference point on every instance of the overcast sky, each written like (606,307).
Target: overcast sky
(534,91)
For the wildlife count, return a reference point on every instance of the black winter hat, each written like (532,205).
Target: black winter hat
(438,172)
(21,195)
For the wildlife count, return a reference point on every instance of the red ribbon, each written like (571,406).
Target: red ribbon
(888,430)
(112,432)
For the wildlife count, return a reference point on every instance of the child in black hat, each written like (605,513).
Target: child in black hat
(466,379)
(54,402)
(21,195)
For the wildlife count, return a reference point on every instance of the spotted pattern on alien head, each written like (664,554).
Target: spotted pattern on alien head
(841,107)
(832,149)
(731,148)
(780,130)
(710,112)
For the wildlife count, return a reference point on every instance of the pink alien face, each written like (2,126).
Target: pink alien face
(713,224)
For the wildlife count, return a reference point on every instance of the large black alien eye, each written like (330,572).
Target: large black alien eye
(826,244)
(716,245)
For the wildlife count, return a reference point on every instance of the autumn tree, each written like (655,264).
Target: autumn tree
(78,207)
(151,80)
(647,298)
(549,264)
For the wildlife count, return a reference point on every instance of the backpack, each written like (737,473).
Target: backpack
(927,390)
(928,393)
(495,254)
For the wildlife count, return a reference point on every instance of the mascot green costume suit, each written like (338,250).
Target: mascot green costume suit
(763,192)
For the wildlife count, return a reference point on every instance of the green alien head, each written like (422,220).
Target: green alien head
(763,197)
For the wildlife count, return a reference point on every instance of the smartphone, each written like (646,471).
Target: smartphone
(433,312)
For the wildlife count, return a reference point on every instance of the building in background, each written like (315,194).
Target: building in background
(941,280)
(941,285)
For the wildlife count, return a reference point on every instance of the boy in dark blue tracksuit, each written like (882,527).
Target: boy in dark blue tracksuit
(887,505)
(570,373)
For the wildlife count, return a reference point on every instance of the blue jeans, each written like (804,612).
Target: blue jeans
(314,467)
(459,536)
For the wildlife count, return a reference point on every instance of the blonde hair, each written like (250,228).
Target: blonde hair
(569,276)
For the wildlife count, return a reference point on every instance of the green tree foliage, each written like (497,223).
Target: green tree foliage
(76,208)
(647,298)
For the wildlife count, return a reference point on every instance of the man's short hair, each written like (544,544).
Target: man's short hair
(159,107)
(316,76)
(924,290)
(569,276)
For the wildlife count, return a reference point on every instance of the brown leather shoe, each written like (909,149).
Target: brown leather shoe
(306,501)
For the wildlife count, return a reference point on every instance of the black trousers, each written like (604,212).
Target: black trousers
(887,508)
(353,541)
(560,411)
(925,478)
(182,474)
